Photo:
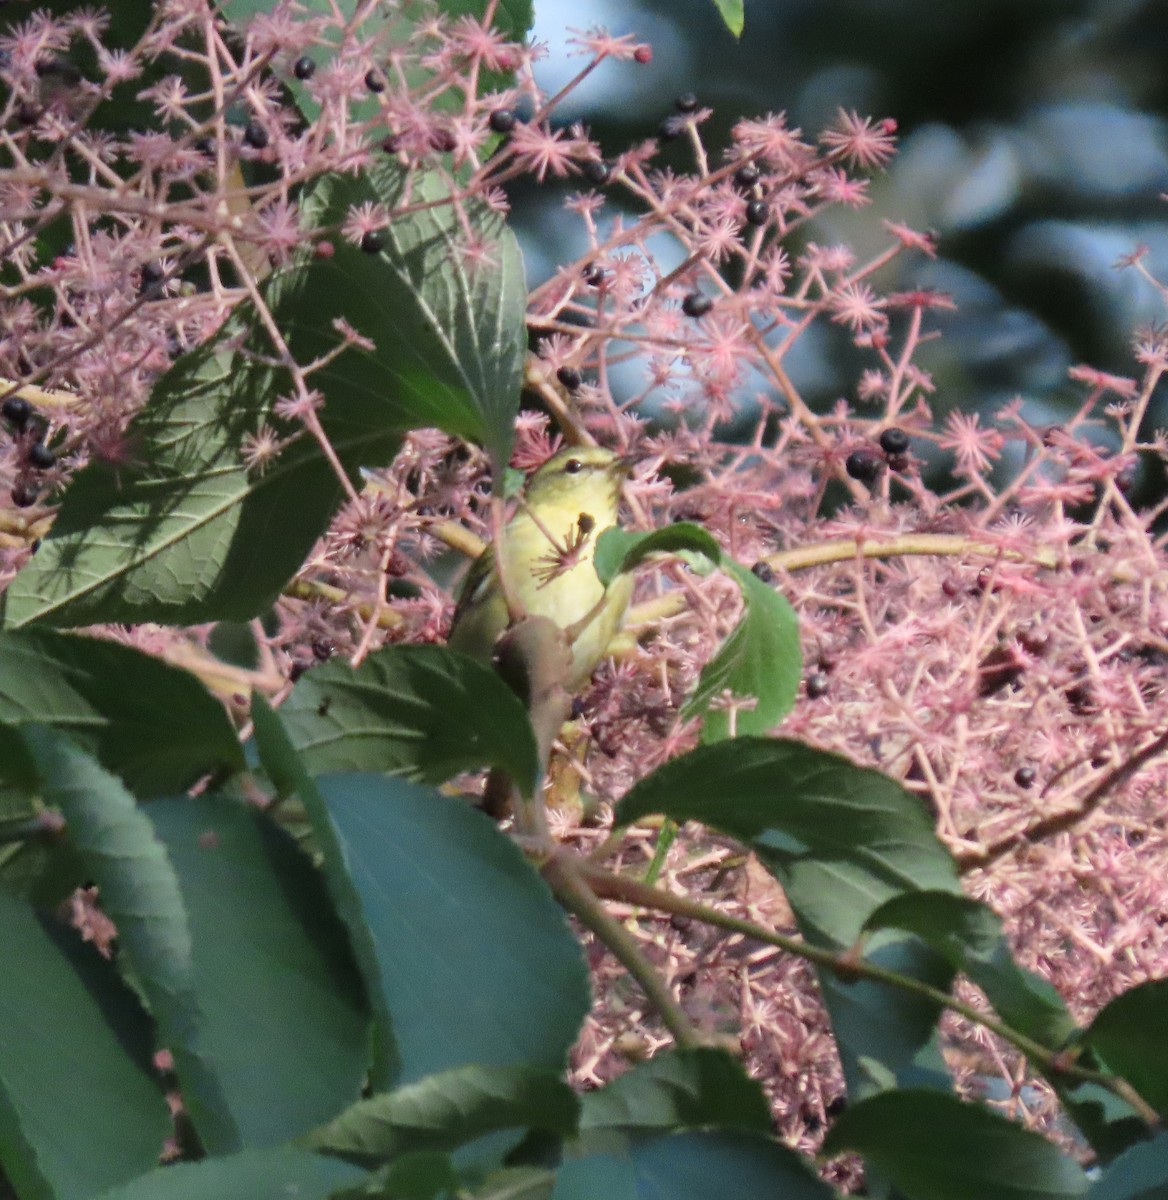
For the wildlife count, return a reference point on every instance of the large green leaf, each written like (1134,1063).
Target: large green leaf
(1140,1173)
(421,711)
(140,892)
(80,1108)
(282,1008)
(693,1166)
(185,532)
(276,1174)
(444,1111)
(477,963)
(936,1147)
(679,1089)
(842,840)
(968,935)
(1130,1035)
(152,724)
(287,772)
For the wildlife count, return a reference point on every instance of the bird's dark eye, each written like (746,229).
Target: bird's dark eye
(573,465)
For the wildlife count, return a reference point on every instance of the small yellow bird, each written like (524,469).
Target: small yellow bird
(547,555)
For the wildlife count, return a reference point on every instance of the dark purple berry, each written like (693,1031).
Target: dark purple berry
(864,464)
(762,570)
(747,175)
(304,68)
(255,135)
(1024,777)
(594,275)
(392,144)
(597,171)
(696,304)
(817,685)
(569,377)
(16,411)
(894,441)
(28,113)
(40,457)
(152,275)
(757,213)
(671,129)
(373,241)
(502,120)
(24,495)
(687,102)
(443,140)
(374,80)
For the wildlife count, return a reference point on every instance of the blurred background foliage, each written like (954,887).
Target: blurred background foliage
(1033,141)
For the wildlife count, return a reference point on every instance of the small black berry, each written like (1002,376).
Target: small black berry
(392,144)
(323,650)
(696,304)
(152,275)
(255,135)
(502,120)
(597,171)
(757,212)
(762,570)
(40,457)
(205,146)
(894,441)
(16,411)
(1024,777)
(671,129)
(443,140)
(569,377)
(817,685)
(374,80)
(594,275)
(864,464)
(898,462)
(24,494)
(687,102)
(28,113)
(304,68)
(373,241)
(747,175)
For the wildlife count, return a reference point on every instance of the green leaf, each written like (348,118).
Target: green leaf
(421,711)
(276,1174)
(150,723)
(693,1166)
(968,935)
(1140,1173)
(799,806)
(477,962)
(282,1006)
(140,893)
(418,1175)
(761,659)
(80,1107)
(185,533)
(444,1111)
(619,550)
(515,1183)
(733,13)
(1130,1035)
(679,1089)
(841,840)
(935,1147)
(283,766)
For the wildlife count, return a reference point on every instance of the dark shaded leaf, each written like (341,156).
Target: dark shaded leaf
(1140,1173)
(421,711)
(80,1106)
(153,725)
(470,945)
(935,1147)
(140,893)
(444,1111)
(276,1174)
(680,1089)
(1130,1035)
(282,1007)
(693,1166)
